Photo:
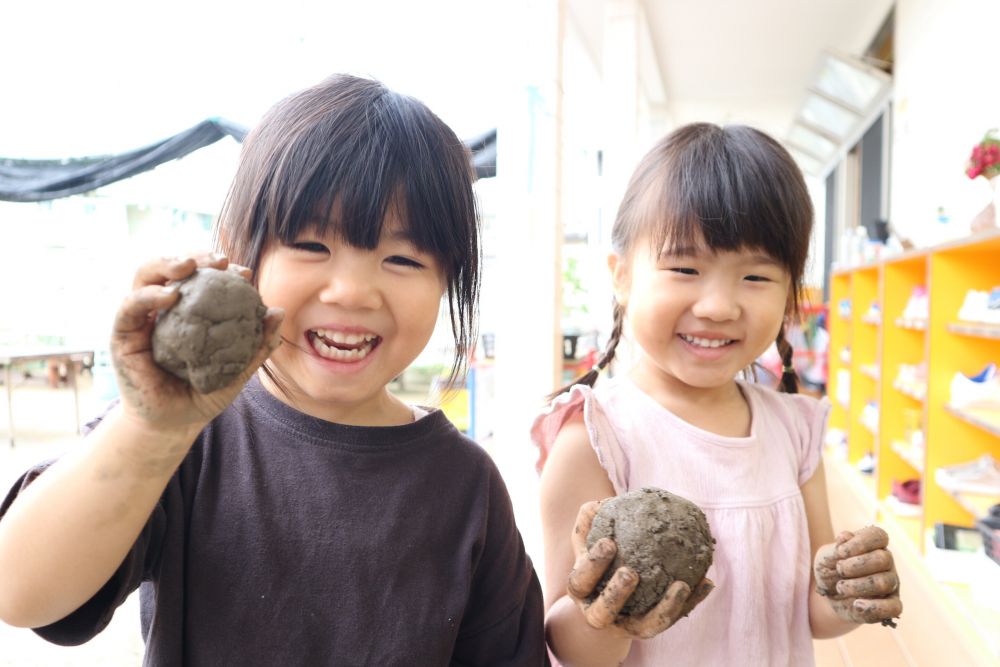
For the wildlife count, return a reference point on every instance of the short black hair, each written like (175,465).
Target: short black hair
(352,143)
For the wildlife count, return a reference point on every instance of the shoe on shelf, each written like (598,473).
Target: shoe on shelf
(973,306)
(867,464)
(981,477)
(907,492)
(917,306)
(993,306)
(981,390)
(874,313)
(844,308)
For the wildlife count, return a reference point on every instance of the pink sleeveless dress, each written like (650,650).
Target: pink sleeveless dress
(749,490)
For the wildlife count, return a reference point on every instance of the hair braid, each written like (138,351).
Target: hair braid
(590,377)
(789,380)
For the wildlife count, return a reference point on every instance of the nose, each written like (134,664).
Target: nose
(716,303)
(352,284)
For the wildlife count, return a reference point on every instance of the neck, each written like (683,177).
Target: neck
(381,410)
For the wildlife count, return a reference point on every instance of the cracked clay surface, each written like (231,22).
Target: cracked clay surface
(660,535)
(213,331)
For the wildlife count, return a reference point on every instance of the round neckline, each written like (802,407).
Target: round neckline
(701,433)
(328,432)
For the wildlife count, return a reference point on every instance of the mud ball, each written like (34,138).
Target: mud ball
(661,536)
(213,331)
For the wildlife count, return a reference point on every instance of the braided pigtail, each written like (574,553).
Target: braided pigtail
(789,380)
(590,377)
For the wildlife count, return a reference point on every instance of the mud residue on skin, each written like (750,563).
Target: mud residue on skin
(213,331)
(661,536)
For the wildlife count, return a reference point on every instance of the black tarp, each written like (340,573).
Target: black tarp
(42,180)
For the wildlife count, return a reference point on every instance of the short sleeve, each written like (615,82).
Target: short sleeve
(603,436)
(504,623)
(812,416)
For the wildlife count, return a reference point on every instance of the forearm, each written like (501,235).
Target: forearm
(576,644)
(823,620)
(67,533)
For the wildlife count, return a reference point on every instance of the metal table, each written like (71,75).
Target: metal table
(10,357)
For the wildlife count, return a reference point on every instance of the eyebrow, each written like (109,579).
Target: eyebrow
(693,251)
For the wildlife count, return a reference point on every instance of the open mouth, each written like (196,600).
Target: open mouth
(340,346)
(707,343)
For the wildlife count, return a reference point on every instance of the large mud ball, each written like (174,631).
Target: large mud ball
(661,536)
(213,331)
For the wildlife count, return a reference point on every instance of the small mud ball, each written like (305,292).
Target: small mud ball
(213,331)
(661,536)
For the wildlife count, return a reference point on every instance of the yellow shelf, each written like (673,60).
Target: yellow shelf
(906,453)
(917,394)
(909,525)
(991,331)
(986,419)
(943,345)
(911,324)
(977,505)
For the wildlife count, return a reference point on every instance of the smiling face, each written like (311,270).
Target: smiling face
(354,319)
(699,316)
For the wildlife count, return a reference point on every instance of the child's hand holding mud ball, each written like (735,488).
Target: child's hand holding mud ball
(213,331)
(187,338)
(641,561)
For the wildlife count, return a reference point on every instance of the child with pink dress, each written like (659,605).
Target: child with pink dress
(709,250)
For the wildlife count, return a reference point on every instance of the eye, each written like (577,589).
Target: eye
(758,279)
(684,270)
(309,246)
(399,260)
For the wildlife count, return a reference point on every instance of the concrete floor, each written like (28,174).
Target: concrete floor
(45,426)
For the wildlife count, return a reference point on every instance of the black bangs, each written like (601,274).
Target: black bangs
(729,188)
(358,155)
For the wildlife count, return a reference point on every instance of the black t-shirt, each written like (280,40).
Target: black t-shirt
(287,540)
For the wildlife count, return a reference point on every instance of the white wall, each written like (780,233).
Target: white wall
(947,94)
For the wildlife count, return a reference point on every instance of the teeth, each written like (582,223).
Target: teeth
(328,352)
(345,338)
(706,342)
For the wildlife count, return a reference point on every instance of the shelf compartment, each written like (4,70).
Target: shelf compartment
(906,453)
(986,419)
(916,393)
(977,505)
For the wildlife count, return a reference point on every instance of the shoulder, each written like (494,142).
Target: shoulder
(796,419)
(794,410)
(579,411)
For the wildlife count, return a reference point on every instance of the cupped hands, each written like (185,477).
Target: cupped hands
(603,610)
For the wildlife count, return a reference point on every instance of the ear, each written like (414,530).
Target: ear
(620,277)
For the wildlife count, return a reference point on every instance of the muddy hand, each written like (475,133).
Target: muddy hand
(858,575)
(148,392)
(603,611)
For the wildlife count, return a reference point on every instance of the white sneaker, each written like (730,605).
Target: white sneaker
(917,307)
(978,391)
(974,307)
(981,476)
